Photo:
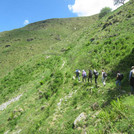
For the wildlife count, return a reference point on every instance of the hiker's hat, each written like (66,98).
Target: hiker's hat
(132,67)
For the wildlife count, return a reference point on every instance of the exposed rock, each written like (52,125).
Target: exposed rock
(15,111)
(7,45)
(15,116)
(95,106)
(20,110)
(30,39)
(129,16)
(94,115)
(9,119)
(40,92)
(59,102)
(63,50)
(90,51)
(51,34)
(65,98)
(79,128)
(43,107)
(17,132)
(106,25)
(82,116)
(83,132)
(4,105)
(62,65)
(47,57)
(115,21)
(113,35)
(110,17)
(58,37)
(73,78)
(17,40)
(92,39)
(105,104)
(40,96)
(6,132)
(119,12)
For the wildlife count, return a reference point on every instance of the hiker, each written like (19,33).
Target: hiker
(119,77)
(77,74)
(104,77)
(131,79)
(84,75)
(95,75)
(90,75)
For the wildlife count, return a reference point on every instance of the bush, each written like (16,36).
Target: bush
(57,82)
(104,11)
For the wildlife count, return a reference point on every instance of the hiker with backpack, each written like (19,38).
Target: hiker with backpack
(104,77)
(96,76)
(77,74)
(90,74)
(84,75)
(131,79)
(119,78)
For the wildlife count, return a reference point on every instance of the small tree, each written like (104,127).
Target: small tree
(104,11)
(118,2)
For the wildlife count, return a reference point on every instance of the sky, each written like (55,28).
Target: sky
(18,13)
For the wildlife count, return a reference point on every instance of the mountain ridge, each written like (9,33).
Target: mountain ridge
(35,40)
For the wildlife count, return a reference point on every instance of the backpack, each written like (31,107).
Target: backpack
(132,74)
(84,74)
(121,76)
(90,73)
(104,75)
(77,71)
(96,74)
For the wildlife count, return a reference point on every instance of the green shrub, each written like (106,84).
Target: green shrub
(41,82)
(57,81)
(75,83)
(68,74)
(75,100)
(104,11)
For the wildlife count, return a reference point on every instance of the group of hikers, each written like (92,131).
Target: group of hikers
(119,77)
(90,76)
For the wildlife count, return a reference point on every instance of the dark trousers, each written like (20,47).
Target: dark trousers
(90,78)
(84,78)
(132,85)
(96,80)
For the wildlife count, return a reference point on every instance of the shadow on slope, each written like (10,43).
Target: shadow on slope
(124,67)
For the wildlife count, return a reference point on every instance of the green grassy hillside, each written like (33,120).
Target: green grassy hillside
(18,46)
(51,99)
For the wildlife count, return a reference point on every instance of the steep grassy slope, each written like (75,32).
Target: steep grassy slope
(17,46)
(51,100)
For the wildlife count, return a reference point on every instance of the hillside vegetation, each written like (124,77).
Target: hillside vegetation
(38,63)
(20,45)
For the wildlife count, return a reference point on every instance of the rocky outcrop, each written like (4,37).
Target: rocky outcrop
(30,39)
(7,45)
(81,117)
(95,106)
(4,105)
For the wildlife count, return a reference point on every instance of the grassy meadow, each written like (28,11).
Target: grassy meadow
(39,62)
